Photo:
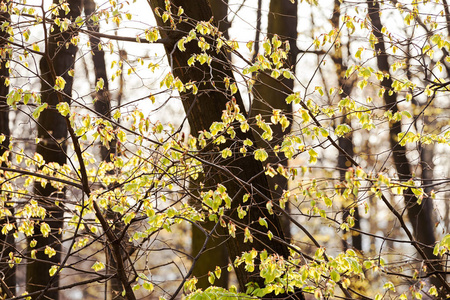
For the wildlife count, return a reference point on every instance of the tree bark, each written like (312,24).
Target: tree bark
(102,106)
(6,241)
(102,100)
(345,142)
(59,58)
(220,13)
(239,174)
(216,253)
(420,216)
(270,94)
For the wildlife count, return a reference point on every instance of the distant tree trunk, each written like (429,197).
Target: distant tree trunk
(59,58)
(270,94)
(202,110)
(102,105)
(6,241)
(427,165)
(216,253)
(345,142)
(102,101)
(257,29)
(420,216)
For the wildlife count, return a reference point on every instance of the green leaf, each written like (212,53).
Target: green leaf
(433,291)
(245,198)
(63,108)
(211,277)
(100,84)
(148,286)
(218,272)
(261,154)
(312,156)
(263,222)
(53,270)
(226,153)
(49,251)
(181,43)
(45,229)
(335,276)
(60,83)
(389,285)
(98,266)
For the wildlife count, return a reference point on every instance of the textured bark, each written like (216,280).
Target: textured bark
(270,93)
(202,110)
(52,131)
(420,216)
(216,253)
(6,241)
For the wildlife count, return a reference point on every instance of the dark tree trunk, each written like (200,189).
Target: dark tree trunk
(257,29)
(6,241)
(240,174)
(345,142)
(52,131)
(102,106)
(270,94)
(420,215)
(220,13)
(216,253)
(102,100)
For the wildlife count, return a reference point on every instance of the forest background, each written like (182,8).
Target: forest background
(213,149)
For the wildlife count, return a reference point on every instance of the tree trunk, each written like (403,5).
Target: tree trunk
(420,216)
(59,58)
(220,13)
(270,94)
(239,174)
(216,253)
(102,106)
(102,101)
(6,241)
(345,142)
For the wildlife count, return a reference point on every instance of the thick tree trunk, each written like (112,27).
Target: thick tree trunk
(216,253)
(220,13)
(52,131)
(239,174)
(420,215)
(6,241)
(270,93)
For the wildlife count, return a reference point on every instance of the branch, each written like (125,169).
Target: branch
(47,177)
(106,228)
(164,41)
